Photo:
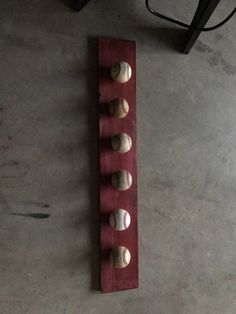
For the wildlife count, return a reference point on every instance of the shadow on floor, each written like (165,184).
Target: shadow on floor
(163,39)
(74,5)
(159,38)
(92,120)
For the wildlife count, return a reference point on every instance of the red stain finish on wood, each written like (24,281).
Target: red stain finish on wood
(110,52)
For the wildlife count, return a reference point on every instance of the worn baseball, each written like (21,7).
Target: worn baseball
(120,219)
(121,143)
(121,72)
(121,180)
(118,108)
(120,257)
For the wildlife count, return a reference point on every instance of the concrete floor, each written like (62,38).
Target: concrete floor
(186,160)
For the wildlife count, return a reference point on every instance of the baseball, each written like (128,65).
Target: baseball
(118,108)
(121,143)
(121,180)
(120,257)
(120,219)
(121,72)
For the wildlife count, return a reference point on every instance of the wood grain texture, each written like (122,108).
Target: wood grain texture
(110,52)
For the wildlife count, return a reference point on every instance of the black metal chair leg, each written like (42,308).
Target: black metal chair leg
(79,4)
(201,17)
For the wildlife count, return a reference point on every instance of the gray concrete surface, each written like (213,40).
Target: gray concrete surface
(186,159)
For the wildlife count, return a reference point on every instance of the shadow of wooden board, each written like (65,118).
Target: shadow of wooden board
(110,52)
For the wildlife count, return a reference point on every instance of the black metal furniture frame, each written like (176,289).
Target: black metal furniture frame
(79,4)
(203,13)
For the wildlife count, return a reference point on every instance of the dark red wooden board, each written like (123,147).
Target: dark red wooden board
(110,52)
